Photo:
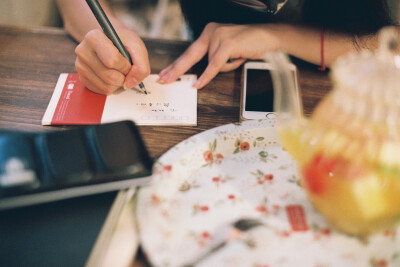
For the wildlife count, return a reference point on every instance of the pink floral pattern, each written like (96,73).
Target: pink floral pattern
(206,183)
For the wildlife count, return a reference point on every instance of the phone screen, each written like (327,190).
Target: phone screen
(259,91)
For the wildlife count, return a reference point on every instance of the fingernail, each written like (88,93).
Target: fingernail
(164,78)
(160,80)
(129,84)
(197,85)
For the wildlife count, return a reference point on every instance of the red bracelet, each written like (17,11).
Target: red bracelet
(322,68)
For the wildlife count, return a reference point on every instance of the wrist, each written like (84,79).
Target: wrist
(301,41)
(282,34)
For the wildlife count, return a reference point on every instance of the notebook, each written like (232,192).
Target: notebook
(170,104)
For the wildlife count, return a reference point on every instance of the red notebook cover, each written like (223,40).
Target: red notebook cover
(73,103)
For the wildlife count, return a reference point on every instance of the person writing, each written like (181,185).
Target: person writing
(226,29)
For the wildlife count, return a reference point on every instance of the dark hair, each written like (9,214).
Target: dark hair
(353,16)
(198,13)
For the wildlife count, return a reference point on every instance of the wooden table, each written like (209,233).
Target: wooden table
(31,60)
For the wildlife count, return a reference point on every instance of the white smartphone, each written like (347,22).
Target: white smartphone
(257,97)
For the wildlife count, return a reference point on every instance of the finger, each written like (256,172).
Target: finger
(92,81)
(89,85)
(213,48)
(140,68)
(221,34)
(214,66)
(163,73)
(106,52)
(191,56)
(165,70)
(233,64)
(89,58)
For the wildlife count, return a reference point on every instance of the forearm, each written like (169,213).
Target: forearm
(305,43)
(78,18)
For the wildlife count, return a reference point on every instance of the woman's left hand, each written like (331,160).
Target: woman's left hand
(223,42)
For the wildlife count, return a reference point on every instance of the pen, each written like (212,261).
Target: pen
(110,32)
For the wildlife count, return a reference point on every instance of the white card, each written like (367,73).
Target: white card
(174,103)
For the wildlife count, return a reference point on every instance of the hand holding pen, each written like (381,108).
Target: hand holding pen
(102,67)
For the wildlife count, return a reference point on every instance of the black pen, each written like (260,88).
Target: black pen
(110,32)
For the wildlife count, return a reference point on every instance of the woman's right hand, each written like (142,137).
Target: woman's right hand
(103,69)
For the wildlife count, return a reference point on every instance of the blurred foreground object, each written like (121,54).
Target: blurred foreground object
(348,152)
